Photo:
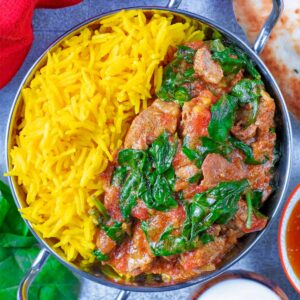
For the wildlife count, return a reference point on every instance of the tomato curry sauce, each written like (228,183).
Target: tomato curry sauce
(293,239)
(194,170)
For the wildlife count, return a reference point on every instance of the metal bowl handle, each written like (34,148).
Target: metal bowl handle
(173,3)
(268,26)
(31,274)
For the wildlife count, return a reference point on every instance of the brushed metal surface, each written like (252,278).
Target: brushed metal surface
(49,24)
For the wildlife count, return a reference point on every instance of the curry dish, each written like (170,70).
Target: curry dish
(194,170)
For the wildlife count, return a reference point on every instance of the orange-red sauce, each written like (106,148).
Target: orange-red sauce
(293,239)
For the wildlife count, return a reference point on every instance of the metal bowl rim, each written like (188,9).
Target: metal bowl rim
(288,130)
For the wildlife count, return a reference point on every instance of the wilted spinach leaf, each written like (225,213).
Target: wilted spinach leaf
(132,159)
(196,178)
(119,176)
(232,59)
(152,178)
(248,91)
(168,244)
(129,194)
(114,231)
(207,146)
(100,256)
(162,152)
(222,118)
(246,149)
(174,78)
(216,205)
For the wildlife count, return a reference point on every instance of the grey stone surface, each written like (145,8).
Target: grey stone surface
(49,25)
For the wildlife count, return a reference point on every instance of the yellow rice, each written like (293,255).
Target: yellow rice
(77,109)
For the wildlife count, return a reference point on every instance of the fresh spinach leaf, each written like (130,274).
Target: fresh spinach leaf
(246,149)
(17,252)
(16,241)
(162,152)
(222,118)
(13,221)
(100,256)
(4,207)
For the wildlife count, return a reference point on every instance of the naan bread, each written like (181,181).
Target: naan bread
(282,52)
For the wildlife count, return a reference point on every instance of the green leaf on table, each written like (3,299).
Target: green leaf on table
(54,281)
(4,207)
(17,252)
(16,241)
(13,220)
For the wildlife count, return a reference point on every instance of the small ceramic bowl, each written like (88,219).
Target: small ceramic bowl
(239,274)
(282,245)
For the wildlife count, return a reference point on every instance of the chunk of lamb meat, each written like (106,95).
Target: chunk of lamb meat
(151,122)
(112,202)
(208,256)
(171,269)
(259,175)
(205,67)
(205,256)
(134,255)
(141,211)
(258,222)
(195,117)
(261,128)
(218,169)
(184,169)
(103,242)
(194,123)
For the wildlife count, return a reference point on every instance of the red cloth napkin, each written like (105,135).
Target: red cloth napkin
(16,32)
